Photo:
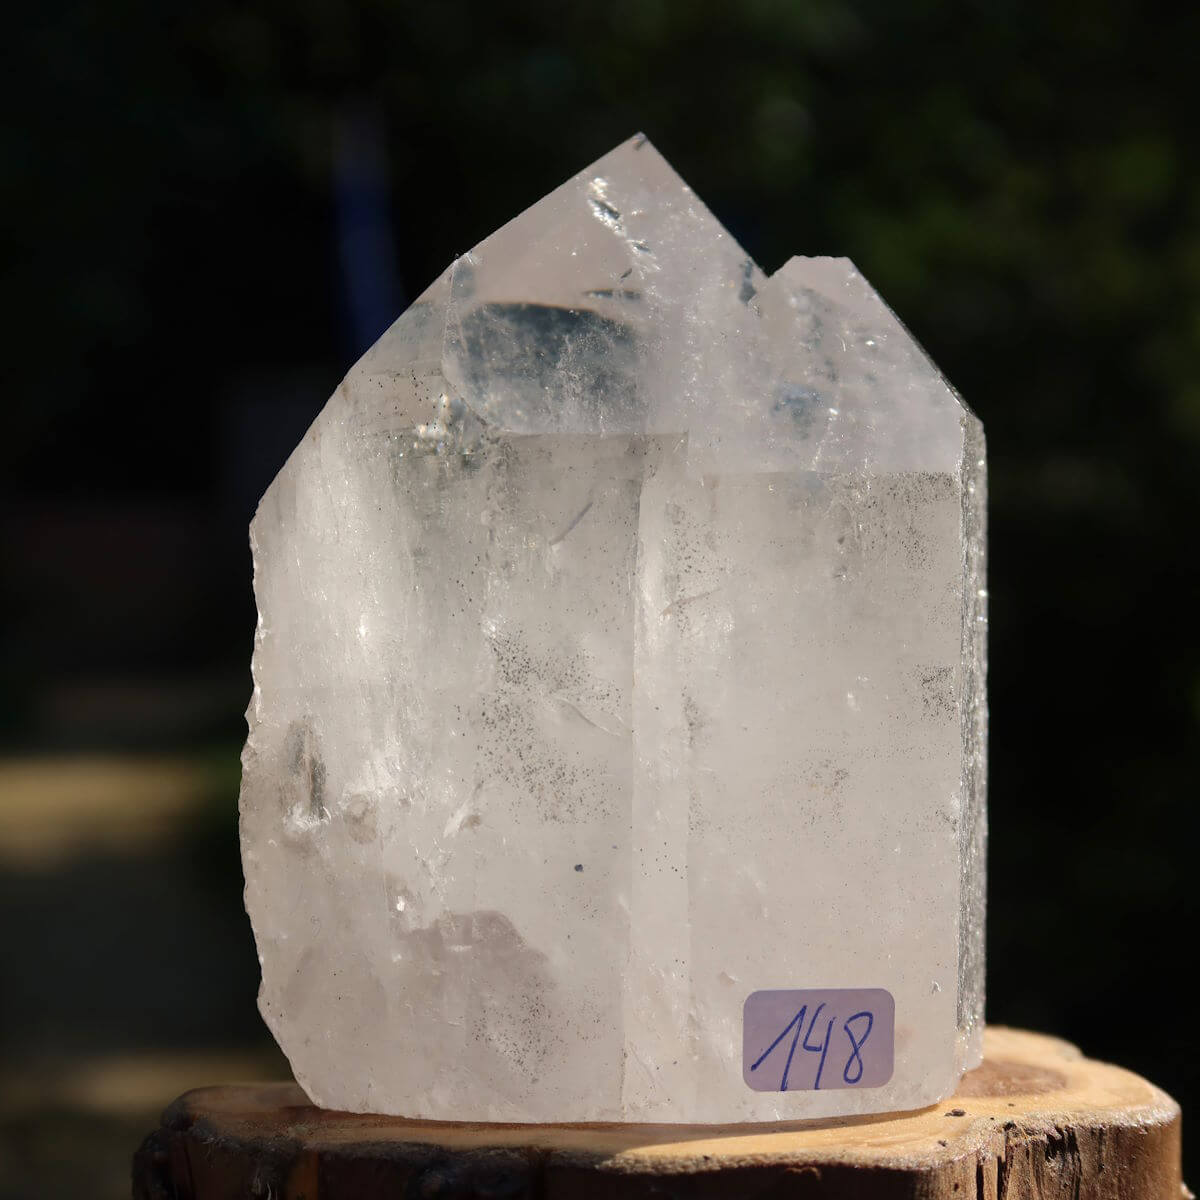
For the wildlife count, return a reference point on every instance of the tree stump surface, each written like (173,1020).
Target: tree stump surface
(1037,1121)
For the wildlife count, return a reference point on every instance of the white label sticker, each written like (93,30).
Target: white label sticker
(818,1039)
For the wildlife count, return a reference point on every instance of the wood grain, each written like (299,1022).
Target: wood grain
(1037,1121)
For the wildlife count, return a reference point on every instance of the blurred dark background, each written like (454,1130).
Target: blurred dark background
(212,210)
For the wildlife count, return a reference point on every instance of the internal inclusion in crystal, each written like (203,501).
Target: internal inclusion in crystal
(620,653)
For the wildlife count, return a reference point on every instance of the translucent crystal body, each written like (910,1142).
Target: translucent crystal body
(620,653)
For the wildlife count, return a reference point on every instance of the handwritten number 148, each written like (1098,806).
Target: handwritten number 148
(852,1072)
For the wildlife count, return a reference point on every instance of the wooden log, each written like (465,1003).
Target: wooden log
(1037,1121)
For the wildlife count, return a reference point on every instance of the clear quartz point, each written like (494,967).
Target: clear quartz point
(620,654)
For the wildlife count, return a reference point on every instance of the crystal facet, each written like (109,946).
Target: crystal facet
(620,654)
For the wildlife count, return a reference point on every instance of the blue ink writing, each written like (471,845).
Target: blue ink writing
(856,1044)
(823,1047)
(852,1072)
(798,1022)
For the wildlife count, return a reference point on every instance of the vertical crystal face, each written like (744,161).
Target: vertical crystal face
(620,657)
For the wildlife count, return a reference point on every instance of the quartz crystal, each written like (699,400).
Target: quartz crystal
(620,655)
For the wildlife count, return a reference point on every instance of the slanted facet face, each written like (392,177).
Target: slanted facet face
(620,657)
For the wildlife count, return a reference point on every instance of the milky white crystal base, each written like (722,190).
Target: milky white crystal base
(620,653)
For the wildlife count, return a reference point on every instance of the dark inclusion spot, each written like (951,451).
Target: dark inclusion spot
(749,291)
(802,403)
(578,517)
(579,866)
(614,294)
(527,350)
(303,753)
(605,209)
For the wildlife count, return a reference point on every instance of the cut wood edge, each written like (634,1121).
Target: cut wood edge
(1036,1120)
